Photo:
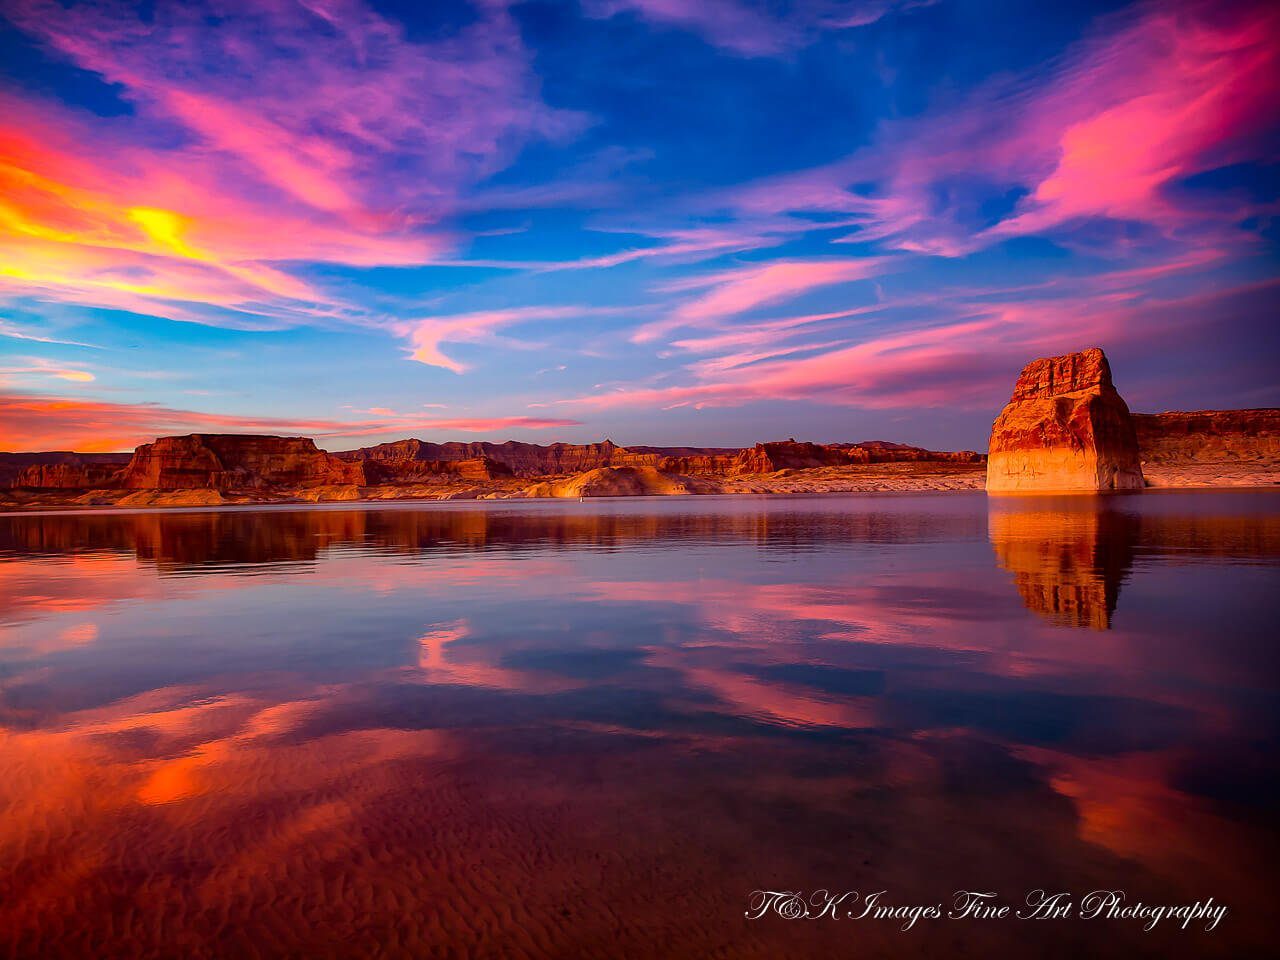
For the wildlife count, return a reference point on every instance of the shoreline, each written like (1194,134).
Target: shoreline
(800,483)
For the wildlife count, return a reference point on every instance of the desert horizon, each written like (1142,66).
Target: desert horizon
(1066,428)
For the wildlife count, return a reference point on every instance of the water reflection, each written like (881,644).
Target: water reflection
(552,731)
(1070,556)
(189,541)
(1068,566)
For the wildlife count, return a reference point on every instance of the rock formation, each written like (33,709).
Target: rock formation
(1208,436)
(428,471)
(69,476)
(14,467)
(233,462)
(527,459)
(1065,429)
(535,460)
(792,455)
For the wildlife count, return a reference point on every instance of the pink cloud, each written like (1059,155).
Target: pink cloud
(1192,86)
(329,102)
(1155,94)
(966,359)
(427,334)
(737,291)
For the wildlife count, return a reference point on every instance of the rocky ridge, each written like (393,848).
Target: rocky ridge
(1065,428)
(14,466)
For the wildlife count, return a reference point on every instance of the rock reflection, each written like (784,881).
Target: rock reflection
(1070,557)
(1067,565)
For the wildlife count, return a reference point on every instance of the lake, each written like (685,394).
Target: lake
(630,728)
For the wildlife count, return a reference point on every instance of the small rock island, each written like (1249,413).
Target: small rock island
(1065,429)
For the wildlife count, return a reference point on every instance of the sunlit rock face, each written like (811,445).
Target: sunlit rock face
(1065,429)
(1207,436)
(1068,567)
(225,462)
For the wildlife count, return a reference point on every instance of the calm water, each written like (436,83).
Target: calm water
(594,729)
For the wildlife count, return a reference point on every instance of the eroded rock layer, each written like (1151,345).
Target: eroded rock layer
(69,476)
(1209,436)
(1065,429)
(229,462)
(535,460)
(14,466)
(428,471)
(524,459)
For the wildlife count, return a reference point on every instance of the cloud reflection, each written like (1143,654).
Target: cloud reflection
(401,729)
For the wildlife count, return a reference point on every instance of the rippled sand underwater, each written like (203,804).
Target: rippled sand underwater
(563,729)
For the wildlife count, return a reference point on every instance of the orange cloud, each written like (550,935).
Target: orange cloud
(44,368)
(286,144)
(31,422)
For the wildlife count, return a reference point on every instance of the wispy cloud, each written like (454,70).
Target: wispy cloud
(428,333)
(1154,95)
(754,29)
(17,331)
(964,359)
(733,292)
(39,368)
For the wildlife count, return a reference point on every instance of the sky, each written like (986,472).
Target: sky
(705,222)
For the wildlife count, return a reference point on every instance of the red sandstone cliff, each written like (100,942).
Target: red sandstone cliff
(427,471)
(793,455)
(69,476)
(249,465)
(1065,429)
(14,466)
(231,462)
(1209,436)
(526,459)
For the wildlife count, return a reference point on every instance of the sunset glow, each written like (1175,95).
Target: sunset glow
(663,221)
